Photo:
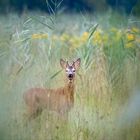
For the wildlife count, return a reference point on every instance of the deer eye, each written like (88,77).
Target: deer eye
(73,70)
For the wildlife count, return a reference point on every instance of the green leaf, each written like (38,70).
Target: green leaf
(93,29)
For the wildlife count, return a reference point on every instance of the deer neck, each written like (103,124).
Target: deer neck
(70,87)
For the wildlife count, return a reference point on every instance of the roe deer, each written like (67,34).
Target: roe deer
(60,100)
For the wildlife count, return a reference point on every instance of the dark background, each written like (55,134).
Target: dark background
(128,6)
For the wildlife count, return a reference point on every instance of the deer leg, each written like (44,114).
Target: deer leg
(39,111)
(33,112)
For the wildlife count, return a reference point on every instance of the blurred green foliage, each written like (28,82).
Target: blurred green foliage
(127,6)
(31,46)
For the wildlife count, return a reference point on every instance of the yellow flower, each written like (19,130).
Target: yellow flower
(55,37)
(64,37)
(136,30)
(130,37)
(84,37)
(97,38)
(129,45)
(44,36)
(75,42)
(39,36)
(105,38)
(35,36)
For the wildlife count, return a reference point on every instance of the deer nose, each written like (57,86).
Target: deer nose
(70,76)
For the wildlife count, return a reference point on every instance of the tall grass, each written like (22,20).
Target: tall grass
(107,84)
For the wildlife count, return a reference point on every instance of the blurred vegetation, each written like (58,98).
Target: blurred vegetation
(127,6)
(106,104)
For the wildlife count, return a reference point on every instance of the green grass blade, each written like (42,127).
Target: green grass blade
(42,23)
(93,29)
(55,74)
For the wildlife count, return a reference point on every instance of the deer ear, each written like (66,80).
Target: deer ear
(63,63)
(77,63)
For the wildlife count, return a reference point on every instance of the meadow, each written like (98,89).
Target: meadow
(107,95)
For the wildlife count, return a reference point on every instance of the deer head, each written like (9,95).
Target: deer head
(70,68)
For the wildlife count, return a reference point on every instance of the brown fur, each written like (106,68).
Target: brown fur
(60,100)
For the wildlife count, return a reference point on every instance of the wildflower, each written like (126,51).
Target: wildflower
(64,37)
(129,45)
(130,37)
(55,37)
(84,37)
(74,42)
(35,36)
(97,38)
(39,36)
(135,30)
(105,38)
(44,36)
